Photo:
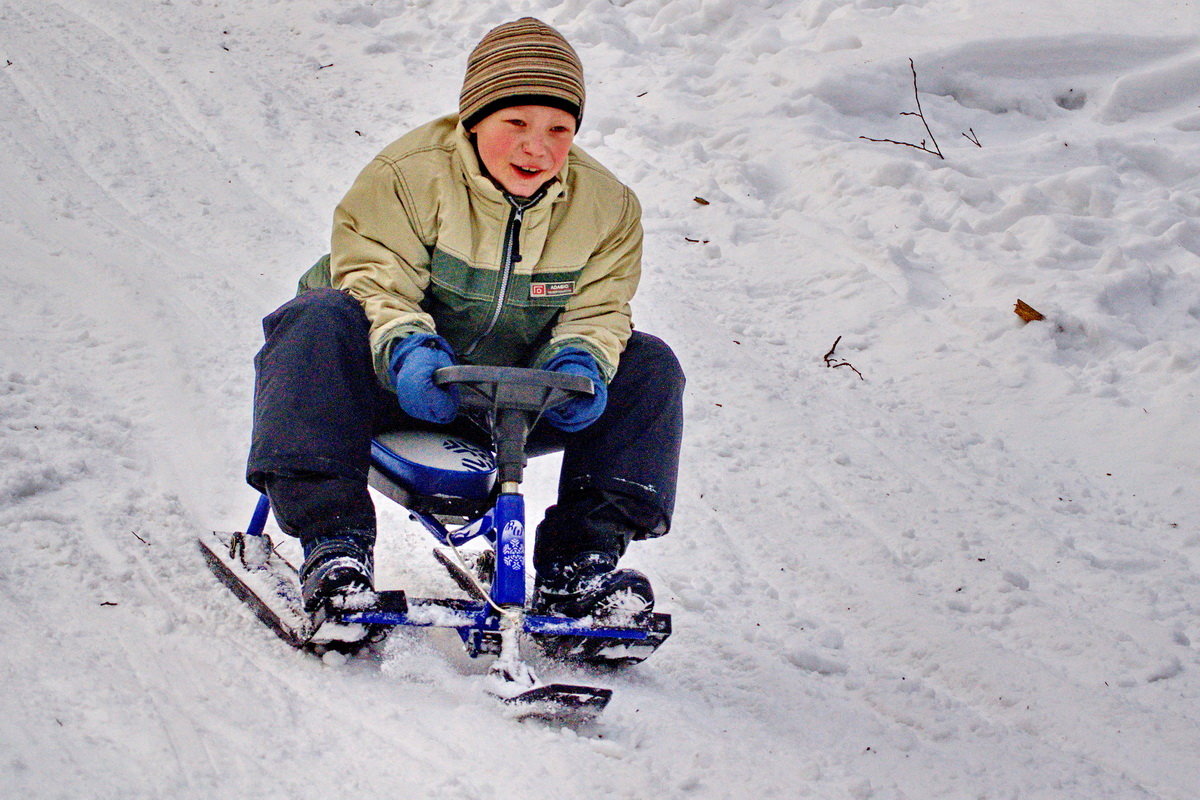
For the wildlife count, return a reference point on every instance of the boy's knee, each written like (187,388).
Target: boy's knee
(322,308)
(651,357)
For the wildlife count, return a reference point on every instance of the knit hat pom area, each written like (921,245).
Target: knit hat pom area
(525,62)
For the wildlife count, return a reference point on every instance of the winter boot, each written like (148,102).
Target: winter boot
(590,585)
(337,572)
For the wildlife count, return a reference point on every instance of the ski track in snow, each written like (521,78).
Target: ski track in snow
(972,573)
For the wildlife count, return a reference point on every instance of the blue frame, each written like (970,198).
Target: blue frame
(504,526)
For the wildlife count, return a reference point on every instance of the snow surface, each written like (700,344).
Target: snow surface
(973,573)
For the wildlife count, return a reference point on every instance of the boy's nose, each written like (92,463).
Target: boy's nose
(533,145)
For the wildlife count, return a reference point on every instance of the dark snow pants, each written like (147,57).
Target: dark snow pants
(318,403)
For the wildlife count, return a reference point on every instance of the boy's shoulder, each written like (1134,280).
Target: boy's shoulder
(586,174)
(436,138)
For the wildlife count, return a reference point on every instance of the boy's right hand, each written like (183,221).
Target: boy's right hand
(413,362)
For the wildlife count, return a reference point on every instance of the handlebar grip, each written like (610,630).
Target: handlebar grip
(534,390)
(512,376)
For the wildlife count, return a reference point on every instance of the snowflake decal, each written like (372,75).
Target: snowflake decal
(473,457)
(514,548)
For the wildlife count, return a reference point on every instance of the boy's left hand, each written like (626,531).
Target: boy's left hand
(578,412)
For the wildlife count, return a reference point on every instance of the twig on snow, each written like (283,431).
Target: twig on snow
(833,363)
(972,137)
(935,150)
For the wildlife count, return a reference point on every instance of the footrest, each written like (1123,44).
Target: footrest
(569,640)
(425,612)
(335,631)
(560,637)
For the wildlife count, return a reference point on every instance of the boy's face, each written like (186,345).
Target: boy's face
(522,147)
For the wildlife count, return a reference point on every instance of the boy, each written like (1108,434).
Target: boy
(484,237)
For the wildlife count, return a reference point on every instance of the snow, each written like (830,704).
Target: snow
(973,573)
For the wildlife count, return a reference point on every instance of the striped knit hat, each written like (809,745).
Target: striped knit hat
(525,62)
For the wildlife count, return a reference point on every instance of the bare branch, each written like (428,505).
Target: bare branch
(920,146)
(921,113)
(935,150)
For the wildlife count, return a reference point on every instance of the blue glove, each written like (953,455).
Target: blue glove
(580,411)
(414,359)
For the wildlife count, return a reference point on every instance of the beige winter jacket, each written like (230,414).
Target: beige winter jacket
(426,242)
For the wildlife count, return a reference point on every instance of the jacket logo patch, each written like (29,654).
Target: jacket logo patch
(555,289)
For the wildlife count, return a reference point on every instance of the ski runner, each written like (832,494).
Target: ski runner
(483,237)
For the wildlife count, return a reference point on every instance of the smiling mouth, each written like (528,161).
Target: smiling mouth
(528,172)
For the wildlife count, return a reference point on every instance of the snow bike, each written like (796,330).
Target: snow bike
(458,491)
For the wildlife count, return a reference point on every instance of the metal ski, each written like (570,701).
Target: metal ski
(559,703)
(260,578)
(270,586)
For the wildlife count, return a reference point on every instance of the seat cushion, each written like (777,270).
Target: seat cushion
(434,463)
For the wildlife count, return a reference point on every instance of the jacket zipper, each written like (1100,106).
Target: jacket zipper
(508,261)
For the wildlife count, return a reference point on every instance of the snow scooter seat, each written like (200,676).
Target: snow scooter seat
(432,471)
